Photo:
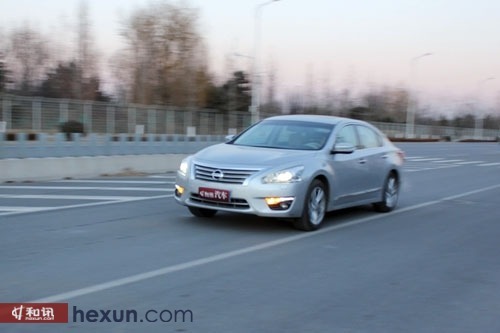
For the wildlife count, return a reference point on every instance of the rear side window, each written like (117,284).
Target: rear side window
(368,137)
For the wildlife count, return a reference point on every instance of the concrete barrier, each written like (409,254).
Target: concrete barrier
(22,145)
(31,169)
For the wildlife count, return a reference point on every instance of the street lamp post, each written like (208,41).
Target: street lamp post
(412,102)
(478,130)
(255,102)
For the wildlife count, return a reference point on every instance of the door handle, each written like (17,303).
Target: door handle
(361,161)
(385,156)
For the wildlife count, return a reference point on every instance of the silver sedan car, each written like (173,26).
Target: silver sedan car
(296,167)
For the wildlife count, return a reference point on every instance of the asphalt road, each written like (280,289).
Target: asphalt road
(122,243)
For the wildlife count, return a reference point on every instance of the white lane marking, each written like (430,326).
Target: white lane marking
(427,159)
(148,189)
(101,203)
(469,162)
(162,177)
(21,209)
(68,197)
(489,164)
(112,181)
(448,161)
(415,166)
(235,253)
(437,167)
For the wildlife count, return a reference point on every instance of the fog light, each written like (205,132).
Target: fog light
(179,190)
(285,204)
(279,203)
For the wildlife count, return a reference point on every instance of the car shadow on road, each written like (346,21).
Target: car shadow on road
(252,223)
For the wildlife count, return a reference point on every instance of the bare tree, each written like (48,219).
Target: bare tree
(86,57)
(271,105)
(294,102)
(29,58)
(310,88)
(123,78)
(327,93)
(165,54)
(3,69)
(385,104)
(3,73)
(76,78)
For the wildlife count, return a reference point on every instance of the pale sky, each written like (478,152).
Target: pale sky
(342,43)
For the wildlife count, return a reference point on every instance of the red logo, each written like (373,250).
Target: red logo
(33,313)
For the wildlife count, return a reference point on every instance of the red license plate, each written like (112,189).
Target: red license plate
(213,194)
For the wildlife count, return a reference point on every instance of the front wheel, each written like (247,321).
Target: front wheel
(202,212)
(314,209)
(390,195)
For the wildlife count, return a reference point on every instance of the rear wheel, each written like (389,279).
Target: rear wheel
(390,195)
(314,207)
(202,212)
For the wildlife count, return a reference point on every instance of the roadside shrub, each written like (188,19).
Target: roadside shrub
(72,126)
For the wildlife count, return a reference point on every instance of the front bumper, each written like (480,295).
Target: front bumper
(247,198)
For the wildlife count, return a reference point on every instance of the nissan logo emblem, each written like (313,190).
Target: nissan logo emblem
(217,175)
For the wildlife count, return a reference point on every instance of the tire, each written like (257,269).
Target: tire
(314,209)
(390,195)
(202,212)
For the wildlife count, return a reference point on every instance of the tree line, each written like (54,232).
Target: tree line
(164,62)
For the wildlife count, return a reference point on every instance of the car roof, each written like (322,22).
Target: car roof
(332,120)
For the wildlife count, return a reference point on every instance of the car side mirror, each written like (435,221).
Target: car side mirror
(343,148)
(229,137)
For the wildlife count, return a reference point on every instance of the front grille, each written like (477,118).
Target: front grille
(229,176)
(234,203)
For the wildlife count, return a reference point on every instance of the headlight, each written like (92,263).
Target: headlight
(291,175)
(183,168)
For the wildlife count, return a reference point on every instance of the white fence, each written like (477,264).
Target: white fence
(45,115)
(23,114)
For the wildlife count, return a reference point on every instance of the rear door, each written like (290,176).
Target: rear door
(375,158)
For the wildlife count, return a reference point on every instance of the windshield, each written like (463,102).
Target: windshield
(286,134)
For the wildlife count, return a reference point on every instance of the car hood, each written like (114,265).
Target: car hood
(245,156)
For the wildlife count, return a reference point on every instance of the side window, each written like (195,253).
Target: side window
(347,135)
(368,137)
